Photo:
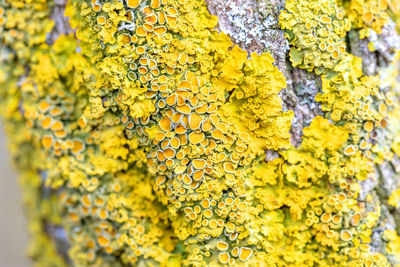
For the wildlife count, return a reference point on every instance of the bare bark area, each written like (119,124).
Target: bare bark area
(253,25)
(61,24)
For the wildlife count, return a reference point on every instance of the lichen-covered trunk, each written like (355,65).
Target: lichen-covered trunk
(205,132)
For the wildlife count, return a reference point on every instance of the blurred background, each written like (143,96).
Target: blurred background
(13,227)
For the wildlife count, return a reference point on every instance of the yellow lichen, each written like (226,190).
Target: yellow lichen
(149,130)
(316,31)
(350,100)
(369,15)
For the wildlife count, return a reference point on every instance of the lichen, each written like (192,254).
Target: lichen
(369,15)
(317,35)
(143,136)
(134,128)
(349,99)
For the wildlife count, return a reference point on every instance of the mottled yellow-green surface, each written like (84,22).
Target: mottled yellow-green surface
(143,136)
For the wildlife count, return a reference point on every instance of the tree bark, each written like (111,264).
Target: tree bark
(253,25)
